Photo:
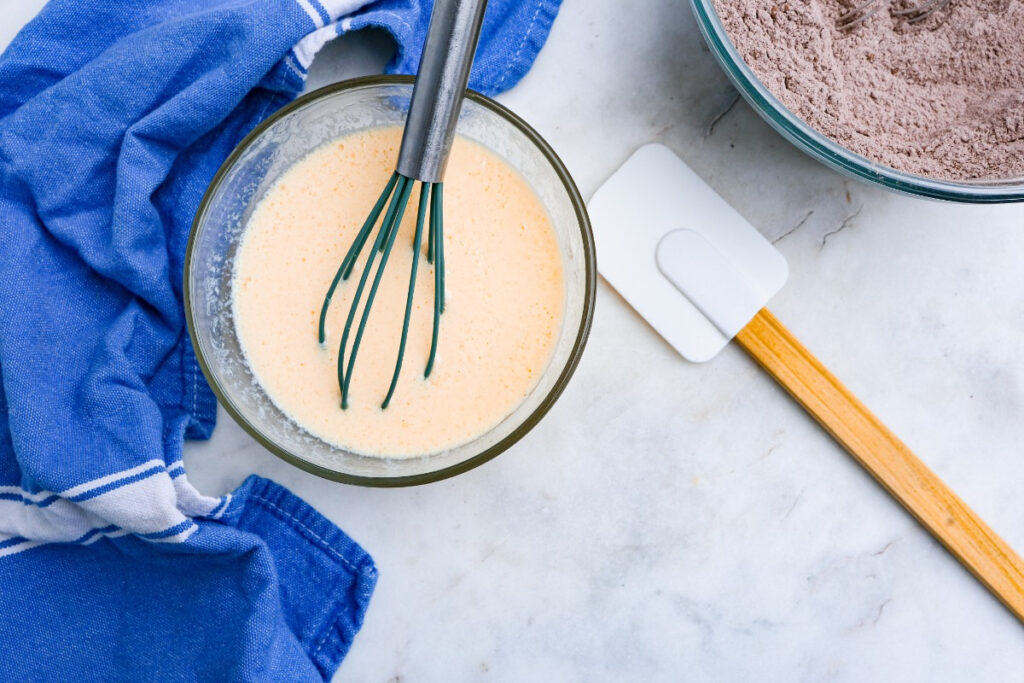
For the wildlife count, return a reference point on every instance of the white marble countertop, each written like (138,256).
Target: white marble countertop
(671,521)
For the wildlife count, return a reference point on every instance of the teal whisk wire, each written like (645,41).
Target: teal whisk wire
(398,191)
(437,96)
(424,193)
(345,269)
(386,241)
(435,253)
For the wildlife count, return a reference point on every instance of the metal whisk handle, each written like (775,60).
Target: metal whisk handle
(440,85)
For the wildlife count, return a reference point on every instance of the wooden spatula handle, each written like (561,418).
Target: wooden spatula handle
(882,454)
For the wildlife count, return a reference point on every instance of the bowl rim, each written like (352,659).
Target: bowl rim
(582,334)
(823,148)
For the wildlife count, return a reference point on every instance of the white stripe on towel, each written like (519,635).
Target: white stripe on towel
(18,491)
(146,506)
(191,502)
(13,549)
(81,489)
(155,503)
(307,48)
(176,538)
(337,8)
(110,478)
(311,11)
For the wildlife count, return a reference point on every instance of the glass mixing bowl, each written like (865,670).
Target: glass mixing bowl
(252,169)
(794,129)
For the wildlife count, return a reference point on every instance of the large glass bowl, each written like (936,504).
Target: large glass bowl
(253,168)
(794,129)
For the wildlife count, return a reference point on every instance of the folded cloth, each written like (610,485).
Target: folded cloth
(114,117)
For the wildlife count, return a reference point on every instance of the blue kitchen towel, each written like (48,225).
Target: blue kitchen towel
(114,117)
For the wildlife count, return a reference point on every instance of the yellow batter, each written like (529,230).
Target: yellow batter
(504,304)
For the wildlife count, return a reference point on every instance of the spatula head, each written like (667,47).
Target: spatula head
(682,257)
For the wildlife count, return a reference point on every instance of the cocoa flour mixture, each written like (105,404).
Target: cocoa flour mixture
(942,98)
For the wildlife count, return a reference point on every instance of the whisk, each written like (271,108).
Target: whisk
(858,14)
(429,129)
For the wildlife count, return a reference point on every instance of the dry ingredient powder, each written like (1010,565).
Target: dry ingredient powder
(943,97)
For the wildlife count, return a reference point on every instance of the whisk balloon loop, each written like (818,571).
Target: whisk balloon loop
(858,14)
(918,13)
(861,12)
(398,190)
(426,142)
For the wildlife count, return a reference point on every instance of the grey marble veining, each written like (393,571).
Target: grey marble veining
(670,521)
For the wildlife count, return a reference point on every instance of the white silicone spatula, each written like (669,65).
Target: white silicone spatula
(701,275)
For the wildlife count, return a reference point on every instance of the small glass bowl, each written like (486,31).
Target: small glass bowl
(806,138)
(252,169)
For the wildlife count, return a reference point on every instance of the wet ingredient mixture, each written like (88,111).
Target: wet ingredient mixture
(504,308)
(942,98)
